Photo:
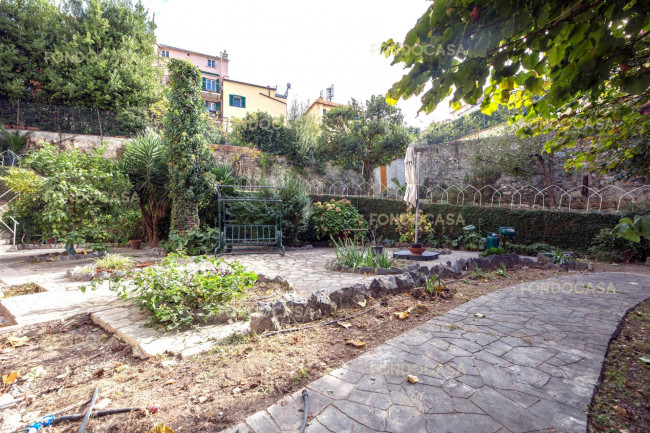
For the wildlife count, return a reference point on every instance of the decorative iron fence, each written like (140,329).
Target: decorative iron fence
(610,198)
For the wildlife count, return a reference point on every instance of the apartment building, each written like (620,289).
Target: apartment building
(214,69)
(319,107)
(242,98)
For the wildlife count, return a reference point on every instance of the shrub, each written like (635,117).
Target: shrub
(178,296)
(296,210)
(491,251)
(193,242)
(115,262)
(330,218)
(611,248)
(406,226)
(531,250)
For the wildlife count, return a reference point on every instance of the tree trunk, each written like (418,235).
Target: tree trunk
(547,172)
(367,176)
(146,218)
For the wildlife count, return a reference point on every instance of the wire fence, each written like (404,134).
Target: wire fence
(60,118)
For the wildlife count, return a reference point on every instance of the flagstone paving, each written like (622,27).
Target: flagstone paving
(527,358)
(305,270)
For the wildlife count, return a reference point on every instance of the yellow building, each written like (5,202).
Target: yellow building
(320,106)
(241,98)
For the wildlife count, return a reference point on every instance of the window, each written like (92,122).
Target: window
(324,111)
(211,63)
(210,85)
(164,53)
(237,101)
(212,107)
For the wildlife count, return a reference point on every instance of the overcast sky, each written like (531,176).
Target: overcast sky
(309,44)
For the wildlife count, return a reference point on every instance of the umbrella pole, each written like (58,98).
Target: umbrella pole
(417,196)
(417,217)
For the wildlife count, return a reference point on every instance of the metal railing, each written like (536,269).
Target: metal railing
(13,224)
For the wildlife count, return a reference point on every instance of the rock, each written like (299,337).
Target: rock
(320,301)
(581,266)
(380,287)
(356,295)
(394,270)
(381,271)
(544,258)
(404,283)
(445,251)
(418,278)
(366,270)
(413,267)
(261,322)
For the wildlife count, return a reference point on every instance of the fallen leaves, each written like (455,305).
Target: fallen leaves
(621,412)
(401,315)
(355,343)
(161,428)
(9,379)
(479,315)
(17,341)
(345,325)
(35,373)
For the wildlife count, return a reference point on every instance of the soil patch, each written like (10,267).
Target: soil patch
(221,387)
(622,402)
(22,289)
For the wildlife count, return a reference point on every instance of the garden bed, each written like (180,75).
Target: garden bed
(622,402)
(221,387)
(19,290)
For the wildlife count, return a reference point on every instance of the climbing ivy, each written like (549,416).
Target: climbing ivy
(190,159)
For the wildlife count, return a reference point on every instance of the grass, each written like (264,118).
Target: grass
(114,262)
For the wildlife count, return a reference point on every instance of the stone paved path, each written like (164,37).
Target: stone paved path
(531,364)
(305,270)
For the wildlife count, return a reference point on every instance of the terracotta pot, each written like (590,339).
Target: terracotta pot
(417,251)
(135,244)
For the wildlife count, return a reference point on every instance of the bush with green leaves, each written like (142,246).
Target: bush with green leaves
(493,251)
(611,248)
(114,262)
(531,250)
(193,242)
(179,294)
(332,217)
(68,195)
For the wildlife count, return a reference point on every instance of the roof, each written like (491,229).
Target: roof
(250,84)
(323,102)
(190,51)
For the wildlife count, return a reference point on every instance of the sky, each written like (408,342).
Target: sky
(310,44)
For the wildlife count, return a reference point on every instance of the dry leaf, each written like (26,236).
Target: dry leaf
(346,325)
(422,306)
(401,315)
(412,379)
(35,373)
(170,382)
(479,315)
(243,382)
(355,343)
(621,412)
(161,428)
(9,379)
(17,341)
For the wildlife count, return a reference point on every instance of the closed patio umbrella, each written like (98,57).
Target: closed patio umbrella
(411,171)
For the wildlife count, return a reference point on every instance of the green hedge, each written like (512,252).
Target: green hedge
(573,231)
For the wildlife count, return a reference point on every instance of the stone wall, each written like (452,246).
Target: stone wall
(82,142)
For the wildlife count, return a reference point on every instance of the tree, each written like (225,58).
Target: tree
(69,195)
(145,161)
(264,132)
(365,137)
(571,61)
(98,54)
(190,159)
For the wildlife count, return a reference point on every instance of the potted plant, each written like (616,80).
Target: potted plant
(135,243)
(417,249)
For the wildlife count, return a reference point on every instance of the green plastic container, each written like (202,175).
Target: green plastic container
(492,241)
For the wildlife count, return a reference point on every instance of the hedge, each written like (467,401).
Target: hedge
(569,230)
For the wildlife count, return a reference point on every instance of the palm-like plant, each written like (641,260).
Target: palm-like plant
(145,162)
(13,141)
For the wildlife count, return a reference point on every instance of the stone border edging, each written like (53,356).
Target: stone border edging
(271,316)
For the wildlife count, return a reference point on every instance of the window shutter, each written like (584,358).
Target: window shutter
(203,83)
(232,100)
(243,102)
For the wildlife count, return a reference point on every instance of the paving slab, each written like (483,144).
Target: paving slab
(538,375)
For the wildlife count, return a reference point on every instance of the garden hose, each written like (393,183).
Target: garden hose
(305,396)
(88,412)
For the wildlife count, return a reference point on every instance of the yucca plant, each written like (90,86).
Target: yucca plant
(14,141)
(145,162)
